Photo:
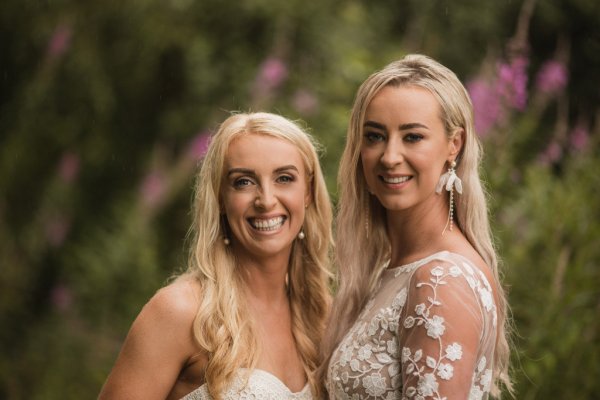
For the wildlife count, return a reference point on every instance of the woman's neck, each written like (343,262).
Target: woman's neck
(265,280)
(419,231)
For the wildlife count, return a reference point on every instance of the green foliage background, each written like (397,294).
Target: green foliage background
(105,107)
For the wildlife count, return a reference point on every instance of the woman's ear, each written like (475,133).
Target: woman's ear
(455,143)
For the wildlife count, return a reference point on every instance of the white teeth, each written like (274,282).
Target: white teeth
(399,179)
(267,224)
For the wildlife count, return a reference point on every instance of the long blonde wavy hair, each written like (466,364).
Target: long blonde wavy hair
(222,327)
(359,254)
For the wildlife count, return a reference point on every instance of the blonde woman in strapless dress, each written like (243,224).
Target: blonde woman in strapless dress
(246,319)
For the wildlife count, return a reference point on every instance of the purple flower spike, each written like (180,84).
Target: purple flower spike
(552,77)
(61,297)
(60,41)
(273,72)
(68,168)
(153,188)
(512,82)
(486,105)
(57,228)
(199,145)
(579,138)
(552,154)
(305,102)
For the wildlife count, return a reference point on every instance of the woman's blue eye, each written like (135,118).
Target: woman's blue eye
(413,137)
(241,182)
(374,137)
(285,179)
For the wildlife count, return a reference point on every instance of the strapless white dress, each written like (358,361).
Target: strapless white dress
(262,385)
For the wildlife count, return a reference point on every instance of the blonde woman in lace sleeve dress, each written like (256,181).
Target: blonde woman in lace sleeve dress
(419,312)
(245,321)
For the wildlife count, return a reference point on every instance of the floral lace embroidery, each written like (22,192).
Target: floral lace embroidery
(427,384)
(368,364)
(376,349)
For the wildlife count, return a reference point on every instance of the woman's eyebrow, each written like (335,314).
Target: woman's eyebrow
(248,171)
(403,127)
(244,171)
(412,125)
(286,167)
(376,125)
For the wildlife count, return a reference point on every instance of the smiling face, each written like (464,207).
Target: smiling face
(264,195)
(405,148)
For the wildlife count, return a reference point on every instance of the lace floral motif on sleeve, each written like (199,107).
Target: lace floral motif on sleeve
(428,332)
(427,368)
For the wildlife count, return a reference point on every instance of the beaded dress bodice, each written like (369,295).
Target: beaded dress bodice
(427,332)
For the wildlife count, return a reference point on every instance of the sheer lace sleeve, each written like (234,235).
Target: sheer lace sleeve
(447,333)
(428,332)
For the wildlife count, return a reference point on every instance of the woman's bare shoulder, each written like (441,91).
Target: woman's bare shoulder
(178,300)
(170,314)
(159,345)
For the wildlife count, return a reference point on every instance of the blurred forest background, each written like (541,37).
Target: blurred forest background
(106,108)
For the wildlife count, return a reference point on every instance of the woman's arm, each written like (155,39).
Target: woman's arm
(448,333)
(158,346)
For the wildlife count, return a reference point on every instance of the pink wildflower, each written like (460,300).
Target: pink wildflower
(60,41)
(199,145)
(552,77)
(579,138)
(68,168)
(486,105)
(153,188)
(512,82)
(552,154)
(61,297)
(56,229)
(305,102)
(272,73)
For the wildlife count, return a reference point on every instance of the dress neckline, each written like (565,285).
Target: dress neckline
(444,254)
(273,378)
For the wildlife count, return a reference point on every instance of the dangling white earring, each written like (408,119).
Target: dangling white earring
(226,241)
(450,181)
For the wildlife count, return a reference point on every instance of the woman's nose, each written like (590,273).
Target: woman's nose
(393,154)
(265,199)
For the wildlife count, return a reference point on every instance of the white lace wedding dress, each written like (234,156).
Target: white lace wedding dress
(262,385)
(428,332)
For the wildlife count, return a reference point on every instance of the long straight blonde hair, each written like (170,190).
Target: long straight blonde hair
(360,254)
(222,327)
